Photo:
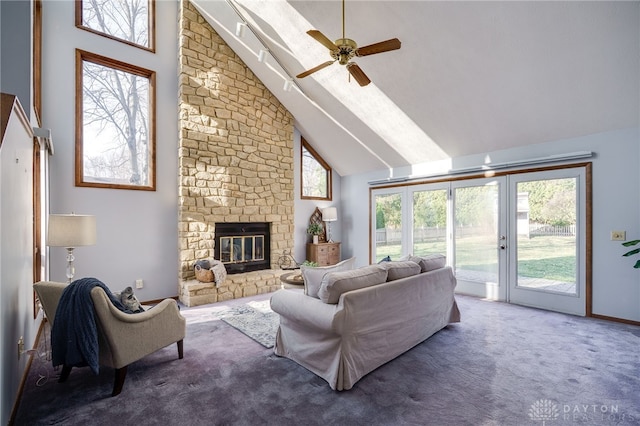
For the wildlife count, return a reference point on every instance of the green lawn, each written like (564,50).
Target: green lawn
(539,257)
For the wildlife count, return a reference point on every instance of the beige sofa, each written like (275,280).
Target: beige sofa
(364,318)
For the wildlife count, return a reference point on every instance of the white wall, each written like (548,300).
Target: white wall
(616,206)
(137,230)
(15,45)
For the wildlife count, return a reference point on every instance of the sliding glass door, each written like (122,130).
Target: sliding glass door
(388,212)
(479,233)
(429,210)
(520,237)
(548,240)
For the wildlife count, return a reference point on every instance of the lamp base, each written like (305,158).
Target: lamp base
(329,239)
(71,270)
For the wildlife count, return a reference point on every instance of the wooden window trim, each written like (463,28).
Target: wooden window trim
(324,164)
(81,57)
(152,27)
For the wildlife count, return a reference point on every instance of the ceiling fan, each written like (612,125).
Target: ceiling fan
(344,49)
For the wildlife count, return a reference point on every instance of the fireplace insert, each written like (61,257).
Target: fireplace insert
(243,246)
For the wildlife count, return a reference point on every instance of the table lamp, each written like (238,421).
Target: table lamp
(71,231)
(330,214)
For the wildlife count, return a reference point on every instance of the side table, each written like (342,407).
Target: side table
(324,254)
(292,280)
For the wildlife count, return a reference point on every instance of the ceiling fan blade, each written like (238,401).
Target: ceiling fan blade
(357,73)
(383,46)
(314,69)
(322,39)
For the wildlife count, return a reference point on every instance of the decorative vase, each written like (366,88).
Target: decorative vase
(315,239)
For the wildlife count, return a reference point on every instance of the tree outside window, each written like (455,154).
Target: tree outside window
(115,121)
(315,174)
(128,21)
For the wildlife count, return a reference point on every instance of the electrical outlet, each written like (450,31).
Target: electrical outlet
(618,235)
(139,283)
(20,346)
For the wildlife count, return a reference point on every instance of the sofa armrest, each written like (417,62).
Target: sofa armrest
(306,310)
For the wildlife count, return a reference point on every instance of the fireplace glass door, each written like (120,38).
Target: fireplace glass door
(242,249)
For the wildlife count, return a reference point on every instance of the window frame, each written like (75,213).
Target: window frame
(151,33)
(305,145)
(82,57)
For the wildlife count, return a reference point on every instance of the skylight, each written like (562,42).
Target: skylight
(372,106)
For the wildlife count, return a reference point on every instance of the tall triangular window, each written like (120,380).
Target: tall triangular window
(315,174)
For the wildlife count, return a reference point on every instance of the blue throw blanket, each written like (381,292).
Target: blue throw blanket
(74,336)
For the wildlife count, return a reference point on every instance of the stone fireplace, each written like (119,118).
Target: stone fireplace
(235,163)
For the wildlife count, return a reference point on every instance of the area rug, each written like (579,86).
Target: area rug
(255,319)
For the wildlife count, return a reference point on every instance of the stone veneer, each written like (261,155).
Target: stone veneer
(235,160)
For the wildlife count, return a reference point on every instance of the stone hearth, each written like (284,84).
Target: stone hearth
(194,293)
(235,160)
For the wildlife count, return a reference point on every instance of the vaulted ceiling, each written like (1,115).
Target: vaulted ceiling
(470,77)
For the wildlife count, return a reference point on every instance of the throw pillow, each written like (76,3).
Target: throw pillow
(432,262)
(336,283)
(385,259)
(397,270)
(312,276)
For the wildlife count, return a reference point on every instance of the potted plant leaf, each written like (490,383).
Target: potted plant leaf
(632,252)
(315,229)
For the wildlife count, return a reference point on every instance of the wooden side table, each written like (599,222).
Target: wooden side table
(324,254)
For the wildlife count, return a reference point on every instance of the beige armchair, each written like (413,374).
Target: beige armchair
(122,338)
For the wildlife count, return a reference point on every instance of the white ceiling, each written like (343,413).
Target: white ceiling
(471,77)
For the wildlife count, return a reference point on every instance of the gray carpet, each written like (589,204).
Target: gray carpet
(502,365)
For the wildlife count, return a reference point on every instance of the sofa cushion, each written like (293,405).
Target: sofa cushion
(398,269)
(312,276)
(430,262)
(336,283)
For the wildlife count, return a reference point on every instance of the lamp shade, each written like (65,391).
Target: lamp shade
(71,230)
(330,214)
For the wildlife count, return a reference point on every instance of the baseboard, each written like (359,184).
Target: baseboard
(156,301)
(25,375)
(614,319)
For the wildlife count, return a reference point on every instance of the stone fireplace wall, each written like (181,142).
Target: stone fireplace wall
(235,159)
